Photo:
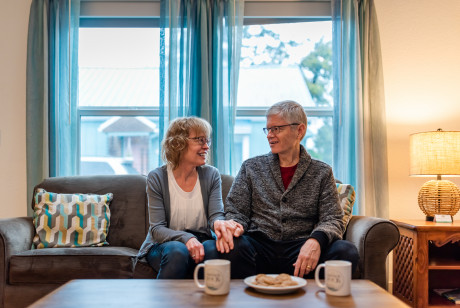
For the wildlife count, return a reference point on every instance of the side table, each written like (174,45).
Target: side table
(427,257)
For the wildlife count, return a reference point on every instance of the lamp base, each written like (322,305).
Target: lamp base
(439,197)
(430,218)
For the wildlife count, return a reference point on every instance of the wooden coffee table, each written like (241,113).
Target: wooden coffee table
(183,293)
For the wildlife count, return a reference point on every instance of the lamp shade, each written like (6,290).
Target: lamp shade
(435,153)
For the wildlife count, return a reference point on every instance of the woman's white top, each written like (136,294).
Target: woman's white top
(187,208)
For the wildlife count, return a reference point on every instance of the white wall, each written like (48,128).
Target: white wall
(14,18)
(420,43)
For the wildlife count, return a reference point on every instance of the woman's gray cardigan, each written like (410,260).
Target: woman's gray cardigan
(160,208)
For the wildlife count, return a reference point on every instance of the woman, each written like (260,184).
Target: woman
(283,206)
(184,201)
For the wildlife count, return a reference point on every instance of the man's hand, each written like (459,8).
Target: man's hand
(195,249)
(308,258)
(225,231)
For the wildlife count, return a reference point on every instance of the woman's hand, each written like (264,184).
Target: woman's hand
(308,258)
(225,231)
(195,249)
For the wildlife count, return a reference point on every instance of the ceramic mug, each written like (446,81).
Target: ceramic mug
(337,276)
(216,276)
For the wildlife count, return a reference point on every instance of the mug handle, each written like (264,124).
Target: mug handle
(195,276)
(318,282)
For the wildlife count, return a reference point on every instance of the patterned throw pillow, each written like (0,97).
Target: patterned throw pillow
(346,200)
(70,220)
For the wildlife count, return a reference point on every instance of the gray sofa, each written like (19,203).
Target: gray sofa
(26,274)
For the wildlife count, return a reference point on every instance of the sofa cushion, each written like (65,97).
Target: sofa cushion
(59,265)
(346,200)
(70,220)
(129,221)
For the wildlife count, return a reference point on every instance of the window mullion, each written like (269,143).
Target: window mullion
(260,112)
(146,112)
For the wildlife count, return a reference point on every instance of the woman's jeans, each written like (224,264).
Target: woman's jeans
(172,260)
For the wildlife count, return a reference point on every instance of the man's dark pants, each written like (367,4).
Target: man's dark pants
(255,253)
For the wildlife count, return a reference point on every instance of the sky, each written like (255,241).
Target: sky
(305,34)
(139,48)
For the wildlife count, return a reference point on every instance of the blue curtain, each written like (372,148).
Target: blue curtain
(346,78)
(63,86)
(52,82)
(200,49)
(360,141)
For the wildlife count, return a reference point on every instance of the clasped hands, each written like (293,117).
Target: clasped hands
(307,259)
(225,231)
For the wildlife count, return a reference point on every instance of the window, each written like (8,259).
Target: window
(282,57)
(118,88)
(285,58)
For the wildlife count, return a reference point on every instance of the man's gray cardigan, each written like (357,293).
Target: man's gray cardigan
(309,207)
(160,208)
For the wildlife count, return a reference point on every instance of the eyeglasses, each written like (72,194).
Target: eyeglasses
(202,140)
(276,129)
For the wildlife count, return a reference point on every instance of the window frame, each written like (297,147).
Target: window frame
(96,21)
(275,11)
(146,13)
(311,111)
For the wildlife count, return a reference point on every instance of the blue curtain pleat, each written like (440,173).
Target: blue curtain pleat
(199,50)
(52,84)
(360,156)
(36,99)
(228,18)
(63,86)
(346,72)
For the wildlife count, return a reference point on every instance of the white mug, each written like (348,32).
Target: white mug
(216,276)
(337,275)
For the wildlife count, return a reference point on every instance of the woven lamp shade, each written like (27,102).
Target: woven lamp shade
(435,154)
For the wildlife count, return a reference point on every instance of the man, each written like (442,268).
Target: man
(283,209)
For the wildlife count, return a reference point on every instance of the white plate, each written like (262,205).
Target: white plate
(276,290)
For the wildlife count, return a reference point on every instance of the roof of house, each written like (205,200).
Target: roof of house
(259,86)
(138,125)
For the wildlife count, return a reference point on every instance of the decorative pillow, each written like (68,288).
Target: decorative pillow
(71,220)
(346,200)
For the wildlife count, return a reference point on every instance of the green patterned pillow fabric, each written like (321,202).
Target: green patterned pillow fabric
(70,220)
(346,200)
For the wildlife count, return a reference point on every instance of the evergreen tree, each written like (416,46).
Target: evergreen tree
(262,46)
(318,65)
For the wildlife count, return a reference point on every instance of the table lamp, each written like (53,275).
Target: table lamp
(436,153)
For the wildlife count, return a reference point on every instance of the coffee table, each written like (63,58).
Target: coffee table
(90,293)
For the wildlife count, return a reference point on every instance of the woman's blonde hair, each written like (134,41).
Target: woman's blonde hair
(175,142)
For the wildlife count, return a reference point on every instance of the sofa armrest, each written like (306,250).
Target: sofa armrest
(375,238)
(16,235)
